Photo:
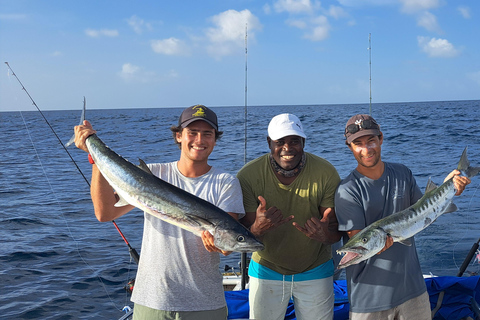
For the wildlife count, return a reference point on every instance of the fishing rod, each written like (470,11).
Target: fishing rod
(133,253)
(468,258)
(243,256)
(370,67)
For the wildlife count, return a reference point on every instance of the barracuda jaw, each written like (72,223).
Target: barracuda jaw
(351,256)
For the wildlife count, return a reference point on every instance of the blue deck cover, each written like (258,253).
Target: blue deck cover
(456,303)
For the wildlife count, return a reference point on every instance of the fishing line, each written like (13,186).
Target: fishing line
(133,253)
(63,216)
(473,250)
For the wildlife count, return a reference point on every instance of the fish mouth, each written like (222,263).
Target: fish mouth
(251,248)
(350,256)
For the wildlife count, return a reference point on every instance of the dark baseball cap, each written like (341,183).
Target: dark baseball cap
(198,112)
(361,125)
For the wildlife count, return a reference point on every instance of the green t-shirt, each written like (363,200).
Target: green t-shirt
(287,250)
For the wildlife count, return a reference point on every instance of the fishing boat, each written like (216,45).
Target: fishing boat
(451,298)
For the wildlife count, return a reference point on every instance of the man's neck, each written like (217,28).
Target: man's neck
(192,169)
(373,173)
(285,180)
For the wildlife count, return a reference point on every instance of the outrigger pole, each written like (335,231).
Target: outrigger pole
(133,253)
(243,256)
(370,67)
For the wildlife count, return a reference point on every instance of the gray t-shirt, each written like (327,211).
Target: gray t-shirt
(176,272)
(394,276)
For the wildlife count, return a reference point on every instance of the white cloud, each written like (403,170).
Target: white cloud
(413,6)
(295,6)
(138,25)
(133,73)
(320,29)
(129,70)
(337,12)
(267,9)
(300,24)
(437,48)
(100,33)
(228,33)
(171,46)
(316,29)
(361,3)
(429,22)
(464,11)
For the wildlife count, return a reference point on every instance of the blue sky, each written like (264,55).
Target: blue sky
(129,54)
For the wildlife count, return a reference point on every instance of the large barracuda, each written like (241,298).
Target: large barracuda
(406,223)
(136,185)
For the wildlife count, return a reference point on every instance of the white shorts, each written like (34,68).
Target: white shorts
(313,299)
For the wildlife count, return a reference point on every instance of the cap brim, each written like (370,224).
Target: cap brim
(186,123)
(287,133)
(361,133)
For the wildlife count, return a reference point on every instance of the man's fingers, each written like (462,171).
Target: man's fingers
(263,203)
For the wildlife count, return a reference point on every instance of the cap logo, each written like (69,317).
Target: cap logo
(200,112)
(359,123)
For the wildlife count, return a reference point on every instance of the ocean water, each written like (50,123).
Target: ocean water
(58,262)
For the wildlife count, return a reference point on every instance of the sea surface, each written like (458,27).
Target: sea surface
(58,262)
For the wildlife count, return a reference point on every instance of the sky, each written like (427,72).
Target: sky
(151,54)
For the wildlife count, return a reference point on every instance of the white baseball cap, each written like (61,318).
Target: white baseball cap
(283,125)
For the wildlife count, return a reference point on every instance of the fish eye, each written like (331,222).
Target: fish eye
(240,238)
(364,240)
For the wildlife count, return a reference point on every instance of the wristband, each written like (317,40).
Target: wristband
(90,159)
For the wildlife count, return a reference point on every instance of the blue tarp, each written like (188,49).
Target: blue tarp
(456,303)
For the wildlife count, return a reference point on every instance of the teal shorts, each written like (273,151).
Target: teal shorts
(145,313)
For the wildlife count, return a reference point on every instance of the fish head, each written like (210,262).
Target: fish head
(238,239)
(362,246)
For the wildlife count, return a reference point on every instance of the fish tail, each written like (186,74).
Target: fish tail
(464,166)
(82,117)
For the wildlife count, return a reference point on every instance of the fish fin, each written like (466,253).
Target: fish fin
(144,166)
(430,186)
(198,221)
(406,242)
(451,208)
(82,117)
(464,166)
(121,202)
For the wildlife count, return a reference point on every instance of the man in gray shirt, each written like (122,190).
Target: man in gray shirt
(389,285)
(178,275)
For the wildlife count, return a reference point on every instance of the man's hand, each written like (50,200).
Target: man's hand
(314,229)
(208,242)
(323,230)
(388,244)
(460,182)
(267,219)
(82,132)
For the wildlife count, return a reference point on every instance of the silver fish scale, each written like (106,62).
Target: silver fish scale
(161,199)
(407,223)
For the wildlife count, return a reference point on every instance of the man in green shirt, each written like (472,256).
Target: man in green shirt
(285,185)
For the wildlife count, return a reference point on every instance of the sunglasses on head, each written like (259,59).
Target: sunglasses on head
(361,125)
